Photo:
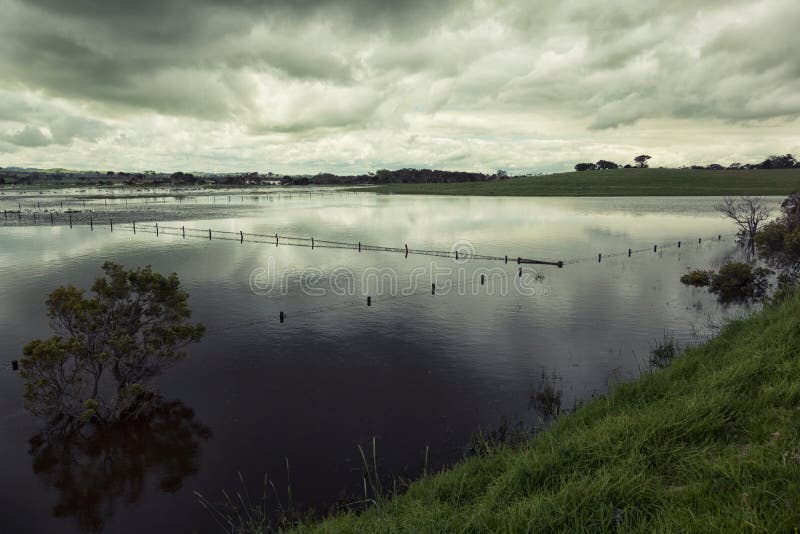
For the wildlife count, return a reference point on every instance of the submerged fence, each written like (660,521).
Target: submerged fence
(75,218)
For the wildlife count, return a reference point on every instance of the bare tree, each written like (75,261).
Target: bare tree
(748,213)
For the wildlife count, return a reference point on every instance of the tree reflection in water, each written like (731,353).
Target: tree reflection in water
(94,465)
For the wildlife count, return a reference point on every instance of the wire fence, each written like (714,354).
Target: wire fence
(278,239)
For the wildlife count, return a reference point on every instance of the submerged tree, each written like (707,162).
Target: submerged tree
(748,213)
(114,342)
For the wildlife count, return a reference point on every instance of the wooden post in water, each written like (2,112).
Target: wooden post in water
(14,365)
(699,240)
(34,217)
(719,237)
(183,232)
(111,221)
(369,301)
(433,289)
(5,214)
(655,248)
(209,234)
(276,240)
(156,229)
(312,242)
(629,252)
(599,257)
(134,227)
(91,224)
(406,250)
(70,220)
(241,237)
(520,272)
(679,244)
(506,259)
(281,317)
(51,218)
(62,204)
(456,255)
(483,279)
(359,246)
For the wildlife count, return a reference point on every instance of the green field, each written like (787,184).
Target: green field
(620,182)
(710,444)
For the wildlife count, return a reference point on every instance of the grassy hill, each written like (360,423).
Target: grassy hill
(710,444)
(620,182)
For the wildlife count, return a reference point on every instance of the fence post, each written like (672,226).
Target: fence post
(433,289)
(156,229)
(369,301)
(70,220)
(209,234)
(34,217)
(359,246)
(91,224)
(629,252)
(51,218)
(241,237)
(183,231)
(679,244)
(312,242)
(699,240)
(281,317)
(483,279)
(276,240)
(520,272)
(655,248)
(134,227)
(599,257)
(112,224)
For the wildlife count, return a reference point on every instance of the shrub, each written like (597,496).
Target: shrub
(663,352)
(698,277)
(737,281)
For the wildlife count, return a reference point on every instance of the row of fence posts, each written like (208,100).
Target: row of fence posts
(655,248)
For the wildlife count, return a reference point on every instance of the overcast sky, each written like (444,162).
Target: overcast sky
(355,85)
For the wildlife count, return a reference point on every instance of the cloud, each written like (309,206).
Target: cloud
(348,84)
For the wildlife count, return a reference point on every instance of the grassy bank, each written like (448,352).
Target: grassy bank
(620,182)
(710,444)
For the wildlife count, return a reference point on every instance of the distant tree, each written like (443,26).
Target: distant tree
(641,161)
(714,167)
(585,167)
(786,161)
(628,166)
(735,166)
(134,326)
(604,165)
(501,173)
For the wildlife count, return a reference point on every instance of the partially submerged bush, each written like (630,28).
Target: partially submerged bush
(738,281)
(698,278)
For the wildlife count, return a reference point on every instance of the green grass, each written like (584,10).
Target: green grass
(620,182)
(709,444)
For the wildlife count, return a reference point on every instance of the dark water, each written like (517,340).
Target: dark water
(413,370)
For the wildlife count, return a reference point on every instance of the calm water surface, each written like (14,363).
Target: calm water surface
(414,371)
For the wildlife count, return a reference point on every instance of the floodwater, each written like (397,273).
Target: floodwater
(415,371)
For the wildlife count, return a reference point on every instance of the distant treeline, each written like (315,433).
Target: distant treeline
(401,176)
(383,176)
(786,161)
